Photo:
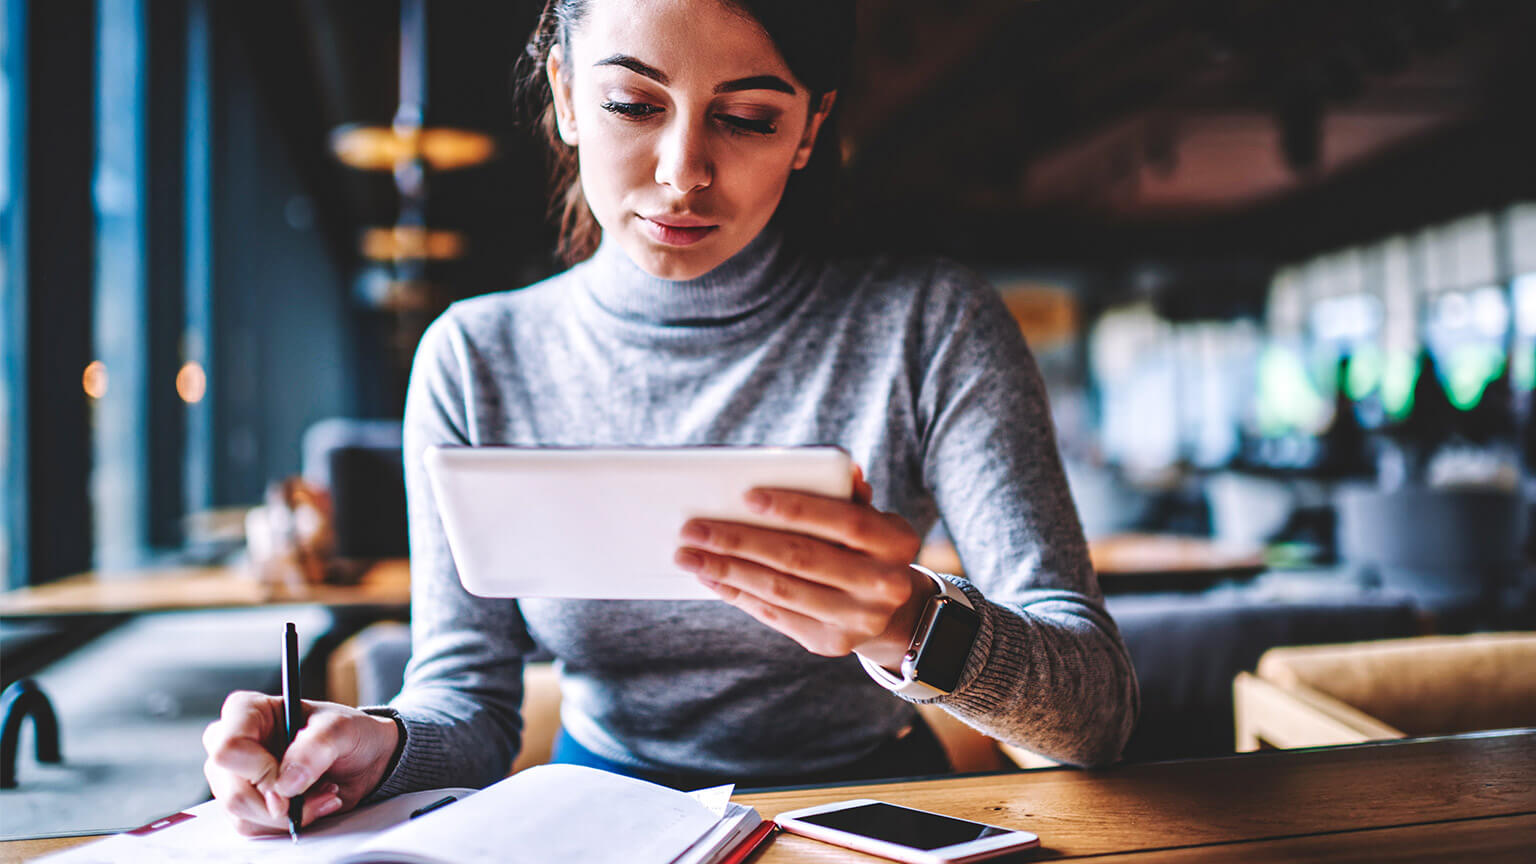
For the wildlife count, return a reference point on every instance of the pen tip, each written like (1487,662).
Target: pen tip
(293,832)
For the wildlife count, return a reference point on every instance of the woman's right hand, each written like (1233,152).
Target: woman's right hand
(337,759)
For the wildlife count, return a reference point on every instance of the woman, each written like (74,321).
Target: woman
(700,314)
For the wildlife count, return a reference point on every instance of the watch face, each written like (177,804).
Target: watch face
(947,647)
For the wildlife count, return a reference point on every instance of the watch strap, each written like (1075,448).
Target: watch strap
(946,587)
(907,684)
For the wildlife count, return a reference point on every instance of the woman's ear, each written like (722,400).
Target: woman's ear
(560,94)
(812,128)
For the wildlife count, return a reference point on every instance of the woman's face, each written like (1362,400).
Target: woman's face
(687,124)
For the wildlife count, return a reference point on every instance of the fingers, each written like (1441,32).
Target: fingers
(321,803)
(251,784)
(314,750)
(815,636)
(245,803)
(239,799)
(241,757)
(783,551)
(235,743)
(254,829)
(809,558)
(247,714)
(825,619)
(251,816)
(854,524)
(863,493)
(809,599)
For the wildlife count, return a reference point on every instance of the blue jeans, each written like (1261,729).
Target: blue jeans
(916,754)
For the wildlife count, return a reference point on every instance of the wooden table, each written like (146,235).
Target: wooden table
(387,583)
(1133,563)
(1463,797)
(1124,562)
(1460,798)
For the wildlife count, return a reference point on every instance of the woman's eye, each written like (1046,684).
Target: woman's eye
(631,110)
(735,124)
(748,124)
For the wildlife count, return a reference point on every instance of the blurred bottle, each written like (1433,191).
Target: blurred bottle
(1409,443)
(1492,420)
(1345,447)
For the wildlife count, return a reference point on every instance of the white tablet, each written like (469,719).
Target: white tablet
(604,523)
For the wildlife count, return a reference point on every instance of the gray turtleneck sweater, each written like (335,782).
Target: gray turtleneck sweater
(913,366)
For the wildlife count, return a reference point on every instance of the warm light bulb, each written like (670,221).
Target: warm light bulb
(405,242)
(191,383)
(382,148)
(95,379)
(446,149)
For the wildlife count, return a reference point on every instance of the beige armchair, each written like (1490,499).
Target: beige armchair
(1429,685)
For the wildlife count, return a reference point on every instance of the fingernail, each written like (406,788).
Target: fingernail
(688,560)
(274,805)
(708,582)
(328,806)
(757,501)
(693,532)
(293,780)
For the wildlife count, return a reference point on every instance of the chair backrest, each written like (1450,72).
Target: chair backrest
(1426,685)
(360,463)
(1444,546)
(541,715)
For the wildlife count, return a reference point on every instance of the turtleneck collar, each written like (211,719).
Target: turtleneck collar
(732,292)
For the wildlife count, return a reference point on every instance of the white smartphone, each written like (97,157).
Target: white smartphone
(603,522)
(904,833)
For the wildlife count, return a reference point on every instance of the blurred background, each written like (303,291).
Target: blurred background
(1277,261)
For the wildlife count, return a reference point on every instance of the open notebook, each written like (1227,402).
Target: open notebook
(548,813)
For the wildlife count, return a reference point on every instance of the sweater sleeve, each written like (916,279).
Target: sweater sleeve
(460,704)
(1049,671)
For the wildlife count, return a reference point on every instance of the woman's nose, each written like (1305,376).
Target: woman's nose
(683,162)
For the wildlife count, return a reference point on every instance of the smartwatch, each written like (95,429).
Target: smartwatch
(942,643)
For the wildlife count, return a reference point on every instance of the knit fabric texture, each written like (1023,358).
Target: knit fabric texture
(914,366)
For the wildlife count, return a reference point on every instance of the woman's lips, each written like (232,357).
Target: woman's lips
(676,235)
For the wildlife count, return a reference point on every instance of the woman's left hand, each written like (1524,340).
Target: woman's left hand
(835,578)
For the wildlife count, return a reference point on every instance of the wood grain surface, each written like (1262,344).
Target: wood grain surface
(1469,797)
(1493,839)
(1257,796)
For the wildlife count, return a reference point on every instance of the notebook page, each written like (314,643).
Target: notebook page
(738,822)
(716,798)
(210,837)
(552,813)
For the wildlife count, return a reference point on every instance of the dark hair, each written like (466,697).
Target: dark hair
(815,37)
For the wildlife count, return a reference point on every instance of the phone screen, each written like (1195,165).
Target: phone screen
(904,826)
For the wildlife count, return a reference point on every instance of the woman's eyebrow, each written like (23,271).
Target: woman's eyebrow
(636,66)
(755,82)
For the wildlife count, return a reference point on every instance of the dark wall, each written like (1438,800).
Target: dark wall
(59,261)
(281,346)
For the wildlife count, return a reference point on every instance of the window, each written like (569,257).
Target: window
(79,422)
(13,314)
(120,323)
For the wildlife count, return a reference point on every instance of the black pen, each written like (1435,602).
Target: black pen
(293,719)
(441,802)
